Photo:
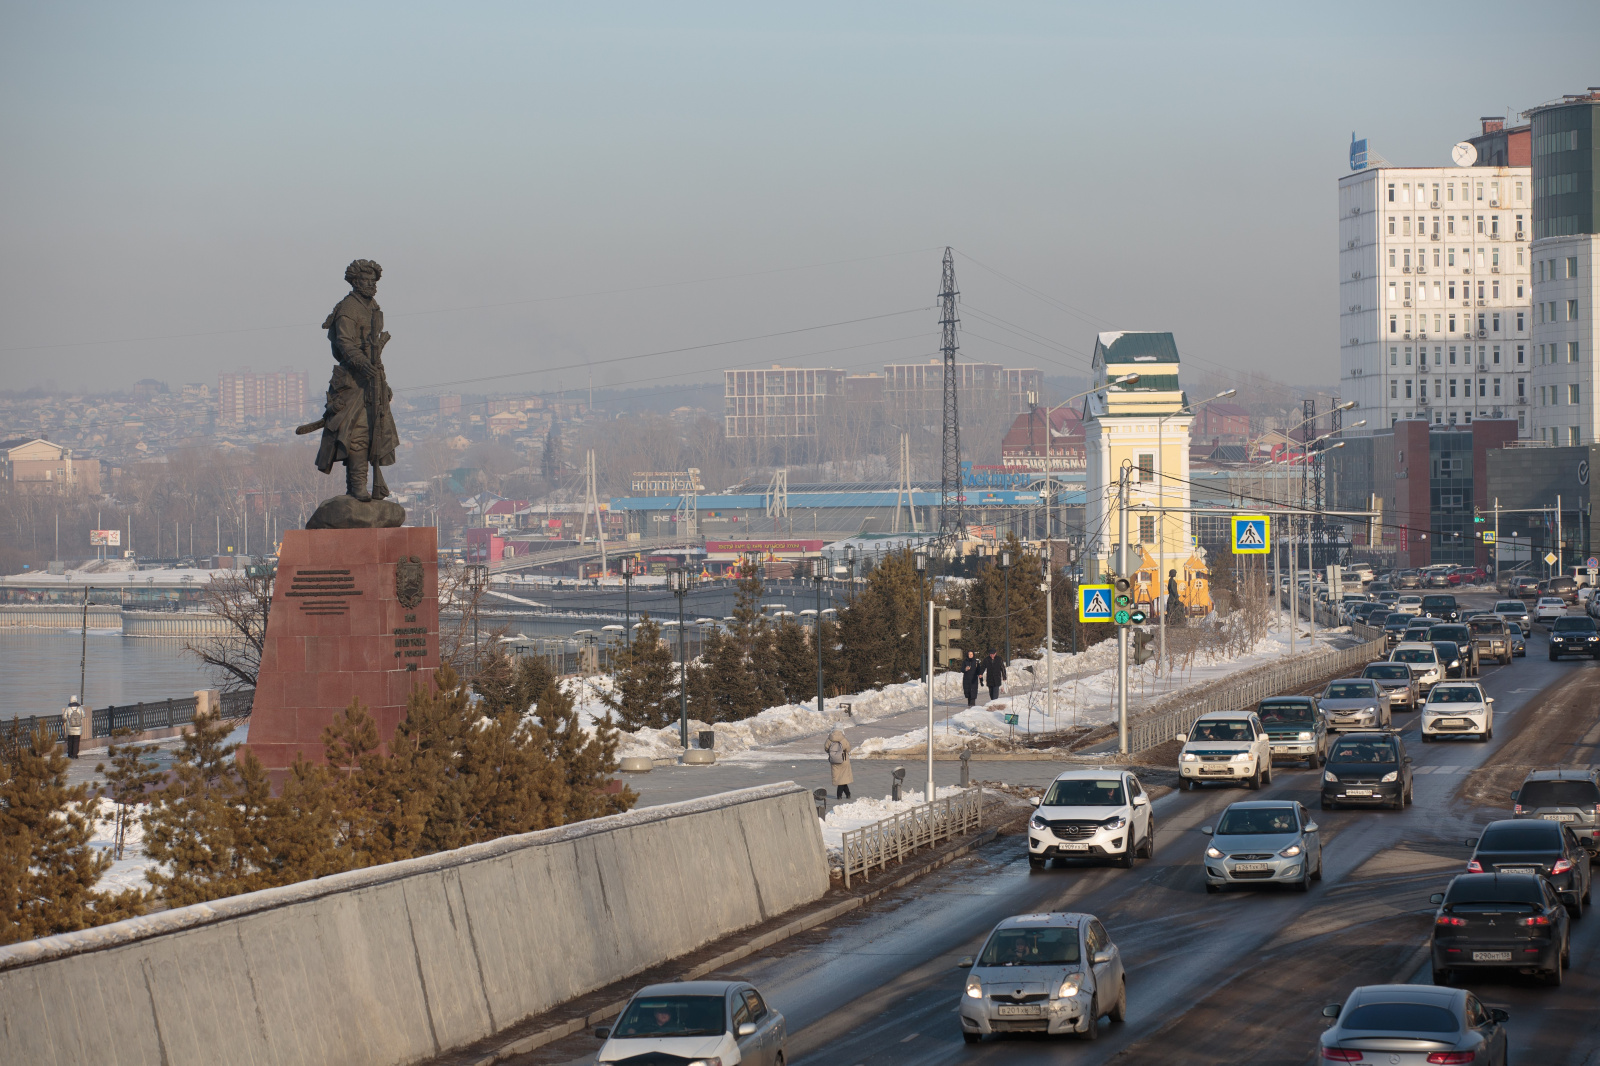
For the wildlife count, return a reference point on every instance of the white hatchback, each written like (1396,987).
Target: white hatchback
(1549,608)
(1456,709)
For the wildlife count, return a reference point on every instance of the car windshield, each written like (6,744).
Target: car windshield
(1512,629)
(1416,655)
(1388,672)
(649,1016)
(1373,752)
(1397,621)
(1291,712)
(1447,649)
(1551,601)
(1350,690)
(1410,599)
(1031,947)
(1574,625)
(1536,794)
(1227,730)
(1401,1018)
(1499,889)
(1081,792)
(1438,601)
(1457,633)
(1509,607)
(1455,694)
(1521,836)
(1240,821)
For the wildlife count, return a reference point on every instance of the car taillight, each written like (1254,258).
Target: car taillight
(1474,866)
(1562,866)
(1537,919)
(1450,1056)
(1445,919)
(1339,1054)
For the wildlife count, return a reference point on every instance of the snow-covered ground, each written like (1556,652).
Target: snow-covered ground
(853,814)
(127,872)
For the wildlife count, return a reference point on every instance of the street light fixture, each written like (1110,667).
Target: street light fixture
(678,582)
(1005,576)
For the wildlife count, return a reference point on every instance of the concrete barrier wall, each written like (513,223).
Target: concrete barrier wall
(398,963)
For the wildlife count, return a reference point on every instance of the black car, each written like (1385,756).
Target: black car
(1393,627)
(1500,920)
(1460,634)
(1570,797)
(1524,846)
(1574,634)
(1441,607)
(1451,656)
(1367,770)
(1418,631)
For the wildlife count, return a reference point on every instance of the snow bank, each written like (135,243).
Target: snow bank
(856,813)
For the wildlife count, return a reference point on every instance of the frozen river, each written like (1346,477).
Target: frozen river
(39,670)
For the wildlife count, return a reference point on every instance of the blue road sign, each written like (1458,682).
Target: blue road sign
(1094,603)
(1252,534)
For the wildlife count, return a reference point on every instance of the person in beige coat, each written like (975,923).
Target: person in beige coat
(837,749)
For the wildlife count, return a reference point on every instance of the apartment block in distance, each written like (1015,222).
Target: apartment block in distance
(918,388)
(1435,302)
(784,402)
(1566,253)
(276,396)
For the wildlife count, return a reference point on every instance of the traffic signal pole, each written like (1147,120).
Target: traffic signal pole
(929,795)
(1122,631)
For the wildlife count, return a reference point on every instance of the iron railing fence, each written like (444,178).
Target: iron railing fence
(139,717)
(924,825)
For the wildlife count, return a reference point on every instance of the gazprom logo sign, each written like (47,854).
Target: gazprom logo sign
(1358,153)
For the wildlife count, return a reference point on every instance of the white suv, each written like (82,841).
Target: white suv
(1092,814)
(1226,746)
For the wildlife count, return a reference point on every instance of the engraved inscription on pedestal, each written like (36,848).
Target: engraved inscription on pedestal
(322,591)
(410,642)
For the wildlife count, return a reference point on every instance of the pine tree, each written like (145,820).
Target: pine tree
(130,776)
(551,462)
(510,684)
(585,761)
(793,662)
(644,691)
(47,868)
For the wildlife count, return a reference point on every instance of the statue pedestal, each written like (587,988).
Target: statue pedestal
(355,615)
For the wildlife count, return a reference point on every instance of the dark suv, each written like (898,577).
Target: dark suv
(1571,797)
(1461,636)
(1574,634)
(1441,607)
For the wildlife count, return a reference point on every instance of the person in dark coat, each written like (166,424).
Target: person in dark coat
(971,671)
(994,673)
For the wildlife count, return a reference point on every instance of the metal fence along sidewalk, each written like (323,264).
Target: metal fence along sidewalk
(921,826)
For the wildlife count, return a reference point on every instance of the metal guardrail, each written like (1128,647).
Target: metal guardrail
(922,826)
(139,717)
(1159,728)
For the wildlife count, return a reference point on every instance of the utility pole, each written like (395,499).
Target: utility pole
(951,519)
(678,579)
(819,571)
(83,659)
(1122,630)
(931,624)
(627,604)
(1495,556)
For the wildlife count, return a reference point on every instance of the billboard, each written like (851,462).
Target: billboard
(105,538)
(1358,153)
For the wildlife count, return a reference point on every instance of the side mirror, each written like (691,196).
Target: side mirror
(1488,699)
(1515,794)
(1311,827)
(602,1033)
(1408,760)
(1102,957)
(1469,842)
(965,963)
(1436,899)
(1180,737)
(1331,1010)
(1141,800)
(1037,800)
(1206,829)
(1499,1015)
(747,1029)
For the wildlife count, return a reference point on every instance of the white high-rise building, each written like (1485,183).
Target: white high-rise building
(1434,296)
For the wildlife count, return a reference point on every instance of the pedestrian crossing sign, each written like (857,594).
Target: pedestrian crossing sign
(1094,603)
(1490,536)
(1252,534)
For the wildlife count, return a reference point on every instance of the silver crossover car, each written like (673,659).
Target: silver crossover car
(1044,973)
(1414,1024)
(1355,703)
(1263,842)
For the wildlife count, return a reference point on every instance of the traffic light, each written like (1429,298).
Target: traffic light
(1121,600)
(1142,652)
(1476,517)
(947,630)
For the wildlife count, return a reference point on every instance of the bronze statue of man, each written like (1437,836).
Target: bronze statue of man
(357,426)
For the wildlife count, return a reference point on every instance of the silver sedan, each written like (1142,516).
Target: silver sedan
(1263,842)
(1355,703)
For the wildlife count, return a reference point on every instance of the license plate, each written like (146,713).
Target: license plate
(1074,847)
(1277,748)
(1251,867)
(1516,870)
(1559,817)
(1029,1011)
(1491,956)
(1358,792)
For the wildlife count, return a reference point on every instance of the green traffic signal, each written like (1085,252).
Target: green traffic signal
(1122,599)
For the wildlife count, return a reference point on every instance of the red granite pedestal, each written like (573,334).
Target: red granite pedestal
(355,615)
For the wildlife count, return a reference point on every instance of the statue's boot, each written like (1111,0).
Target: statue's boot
(380,490)
(355,477)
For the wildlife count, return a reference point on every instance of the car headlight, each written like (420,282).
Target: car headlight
(1292,850)
(1213,853)
(974,987)
(714,1060)
(1328,776)
(1391,776)
(1243,756)
(1455,662)
(1370,710)
(1116,822)
(1190,757)
(1038,823)
(1069,987)
(1303,736)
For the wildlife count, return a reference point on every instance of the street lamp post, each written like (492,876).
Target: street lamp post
(919,559)
(818,571)
(627,603)
(478,577)
(678,581)
(1005,576)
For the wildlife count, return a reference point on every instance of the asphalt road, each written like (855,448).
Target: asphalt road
(1233,978)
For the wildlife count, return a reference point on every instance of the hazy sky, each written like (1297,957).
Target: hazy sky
(181,185)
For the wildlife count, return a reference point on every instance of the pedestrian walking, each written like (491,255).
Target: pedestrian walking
(838,751)
(72,721)
(994,673)
(971,672)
